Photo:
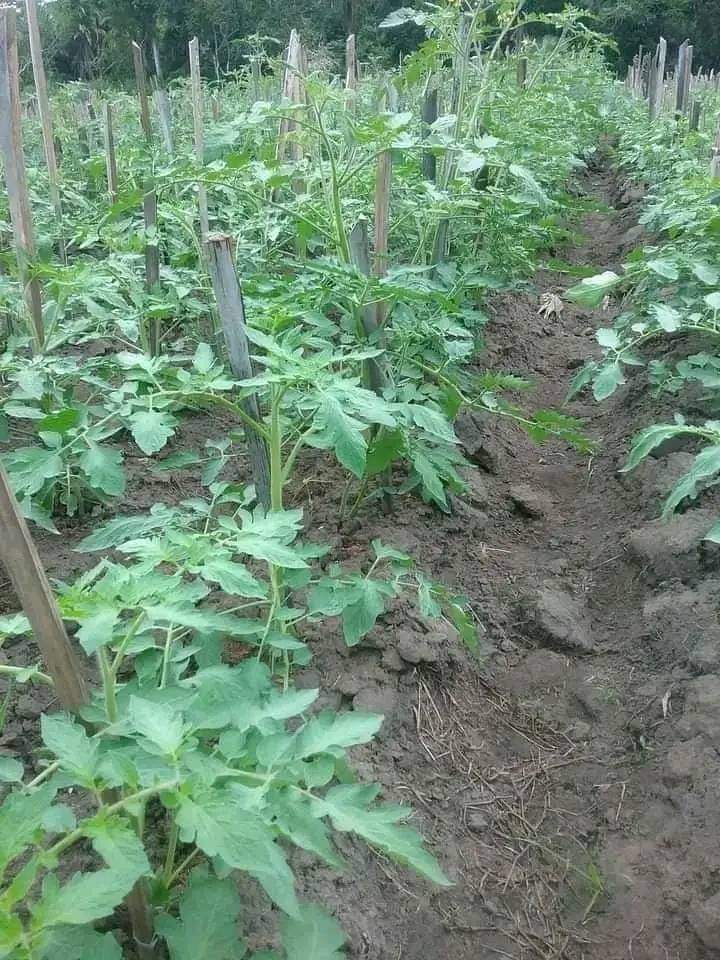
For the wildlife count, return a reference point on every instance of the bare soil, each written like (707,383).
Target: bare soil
(568,783)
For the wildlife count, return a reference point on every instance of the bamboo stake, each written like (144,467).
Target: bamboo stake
(110,161)
(11,149)
(231,307)
(20,558)
(46,121)
(139,66)
(199,132)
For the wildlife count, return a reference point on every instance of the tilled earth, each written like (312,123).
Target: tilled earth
(569,783)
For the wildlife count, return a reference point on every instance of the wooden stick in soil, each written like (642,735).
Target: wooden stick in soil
(19,556)
(152,262)
(657,80)
(375,372)
(199,131)
(11,150)
(521,72)
(352,70)
(429,116)
(22,563)
(231,307)
(382,225)
(110,161)
(46,122)
(139,66)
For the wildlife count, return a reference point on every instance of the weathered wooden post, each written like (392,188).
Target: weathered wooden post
(199,129)
(139,66)
(657,80)
(110,160)
(352,69)
(521,72)
(11,149)
(46,122)
(429,116)
(231,307)
(684,70)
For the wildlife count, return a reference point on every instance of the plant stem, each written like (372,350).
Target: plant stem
(108,679)
(9,671)
(167,874)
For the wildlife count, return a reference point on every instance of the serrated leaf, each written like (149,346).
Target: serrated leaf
(203,359)
(345,435)
(329,731)
(348,808)
(664,268)
(313,935)
(647,441)
(591,291)
(233,577)
(158,723)
(713,533)
(96,631)
(667,317)
(218,823)
(706,273)
(79,943)
(607,337)
(11,770)
(705,465)
(151,429)
(86,897)
(713,300)
(295,819)
(120,847)
(60,421)
(607,380)
(207,927)
(123,529)
(385,447)
(103,467)
(20,815)
(77,753)
(360,616)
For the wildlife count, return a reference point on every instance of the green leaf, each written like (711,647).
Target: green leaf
(607,380)
(713,533)
(207,928)
(429,477)
(648,440)
(607,337)
(432,422)
(233,577)
(385,448)
(706,273)
(59,819)
(295,819)
(218,823)
(79,943)
(203,359)
(158,723)
(347,807)
(313,935)
(713,300)
(706,465)
(664,268)
(122,529)
(11,770)
(96,631)
(103,467)
(667,317)
(345,435)
(30,467)
(359,617)
(60,421)
(20,816)
(11,934)
(151,429)
(86,897)
(329,731)
(120,847)
(591,291)
(68,741)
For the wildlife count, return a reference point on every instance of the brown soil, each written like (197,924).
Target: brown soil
(567,783)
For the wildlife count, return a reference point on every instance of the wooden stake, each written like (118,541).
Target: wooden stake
(152,262)
(199,131)
(44,106)
(139,65)
(684,70)
(11,150)
(375,372)
(657,80)
(352,69)
(162,105)
(22,563)
(110,161)
(521,72)
(429,116)
(695,113)
(231,307)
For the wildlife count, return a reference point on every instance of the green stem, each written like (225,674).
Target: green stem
(16,671)
(167,874)
(108,679)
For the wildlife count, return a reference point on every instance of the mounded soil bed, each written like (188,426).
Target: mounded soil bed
(569,783)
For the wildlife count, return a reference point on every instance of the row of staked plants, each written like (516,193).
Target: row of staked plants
(669,292)
(184,769)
